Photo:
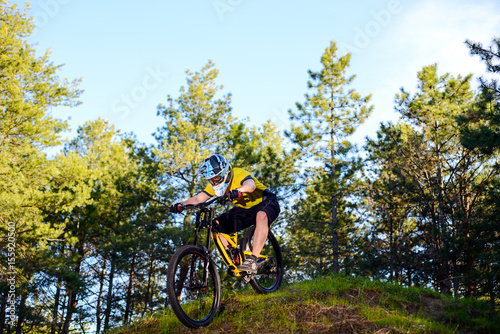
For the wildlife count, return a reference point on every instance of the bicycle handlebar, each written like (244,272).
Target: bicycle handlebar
(220,200)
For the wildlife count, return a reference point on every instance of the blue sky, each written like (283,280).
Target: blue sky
(131,55)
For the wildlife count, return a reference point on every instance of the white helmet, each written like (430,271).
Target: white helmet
(217,170)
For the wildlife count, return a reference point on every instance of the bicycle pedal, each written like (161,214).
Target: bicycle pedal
(246,278)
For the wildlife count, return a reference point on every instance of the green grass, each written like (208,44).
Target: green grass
(336,304)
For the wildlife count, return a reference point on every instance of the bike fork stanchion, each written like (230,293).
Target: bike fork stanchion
(207,264)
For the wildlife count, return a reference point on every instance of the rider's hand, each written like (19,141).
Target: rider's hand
(176,208)
(234,194)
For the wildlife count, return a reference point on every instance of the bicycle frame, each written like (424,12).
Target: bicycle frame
(205,219)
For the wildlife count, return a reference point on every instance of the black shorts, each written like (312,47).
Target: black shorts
(238,218)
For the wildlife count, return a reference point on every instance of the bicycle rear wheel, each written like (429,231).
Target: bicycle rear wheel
(270,272)
(193,302)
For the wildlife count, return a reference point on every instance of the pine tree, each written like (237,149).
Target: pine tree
(391,244)
(320,128)
(105,229)
(31,184)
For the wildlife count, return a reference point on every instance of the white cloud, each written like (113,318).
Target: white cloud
(423,33)
(432,31)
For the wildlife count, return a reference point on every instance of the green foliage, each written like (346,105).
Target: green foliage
(263,152)
(29,87)
(482,123)
(428,189)
(310,229)
(119,227)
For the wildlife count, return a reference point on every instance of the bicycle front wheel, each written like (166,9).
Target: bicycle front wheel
(269,271)
(193,301)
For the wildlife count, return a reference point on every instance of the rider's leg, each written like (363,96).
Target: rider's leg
(225,243)
(259,239)
(260,234)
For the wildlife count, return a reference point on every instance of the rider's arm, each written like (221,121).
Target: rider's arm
(200,198)
(248,186)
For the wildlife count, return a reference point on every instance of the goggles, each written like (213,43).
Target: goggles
(216,180)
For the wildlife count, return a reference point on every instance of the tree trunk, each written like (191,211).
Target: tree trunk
(148,291)
(129,291)
(63,315)
(21,313)
(109,299)
(182,278)
(99,299)
(73,291)
(72,302)
(55,312)
(335,242)
(408,274)
(469,256)
(391,247)
(491,292)
(445,272)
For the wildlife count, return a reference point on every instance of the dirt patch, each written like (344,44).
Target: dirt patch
(427,304)
(370,297)
(317,318)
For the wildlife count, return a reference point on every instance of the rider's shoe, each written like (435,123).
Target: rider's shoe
(249,265)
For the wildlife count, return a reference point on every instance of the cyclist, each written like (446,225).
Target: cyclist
(254,203)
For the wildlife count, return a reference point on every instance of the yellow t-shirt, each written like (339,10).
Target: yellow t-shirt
(248,200)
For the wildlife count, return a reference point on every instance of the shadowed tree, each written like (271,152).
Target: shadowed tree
(441,182)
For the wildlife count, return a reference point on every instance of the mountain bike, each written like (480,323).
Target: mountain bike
(193,281)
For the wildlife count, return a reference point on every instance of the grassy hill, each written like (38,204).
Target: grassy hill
(336,304)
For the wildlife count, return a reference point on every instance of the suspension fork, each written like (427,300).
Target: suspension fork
(196,232)
(208,220)
(203,219)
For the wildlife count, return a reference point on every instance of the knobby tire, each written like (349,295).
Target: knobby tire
(193,303)
(270,275)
